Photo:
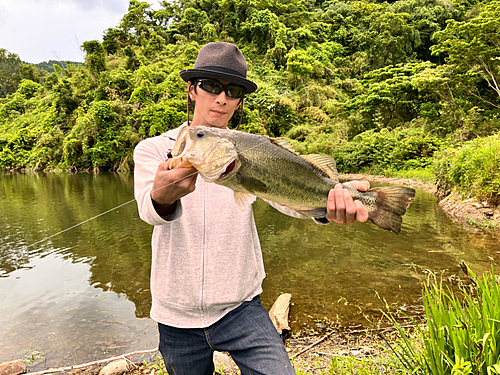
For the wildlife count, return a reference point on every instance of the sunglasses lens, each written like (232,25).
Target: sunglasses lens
(215,87)
(235,91)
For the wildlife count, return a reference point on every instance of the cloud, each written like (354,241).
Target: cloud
(108,5)
(42,30)
(3,13)
(114,6)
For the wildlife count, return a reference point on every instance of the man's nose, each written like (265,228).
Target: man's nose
(221,98)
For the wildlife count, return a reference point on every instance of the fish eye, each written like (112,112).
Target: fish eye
(200,134)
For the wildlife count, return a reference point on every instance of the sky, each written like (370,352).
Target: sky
(43,30)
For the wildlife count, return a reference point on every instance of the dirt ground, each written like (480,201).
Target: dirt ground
(310,354)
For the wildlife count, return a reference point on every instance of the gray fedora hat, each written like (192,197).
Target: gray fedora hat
(220,60)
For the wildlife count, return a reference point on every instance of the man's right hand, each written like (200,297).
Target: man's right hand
(169,185)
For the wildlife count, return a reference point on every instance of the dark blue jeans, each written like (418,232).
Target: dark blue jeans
(247,333)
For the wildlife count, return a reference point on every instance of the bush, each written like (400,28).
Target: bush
(400,148)
(472,168)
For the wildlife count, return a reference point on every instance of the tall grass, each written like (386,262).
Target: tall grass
(462,332)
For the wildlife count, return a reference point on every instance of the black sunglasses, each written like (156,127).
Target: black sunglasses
(215,87)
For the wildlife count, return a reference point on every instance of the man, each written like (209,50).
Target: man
(207,267)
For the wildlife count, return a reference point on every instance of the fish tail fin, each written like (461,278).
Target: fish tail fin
(392,203)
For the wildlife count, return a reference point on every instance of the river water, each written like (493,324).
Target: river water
(83,294)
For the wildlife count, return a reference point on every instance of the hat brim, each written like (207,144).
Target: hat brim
(189,74)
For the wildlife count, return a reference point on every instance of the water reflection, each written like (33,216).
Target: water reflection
(84,294)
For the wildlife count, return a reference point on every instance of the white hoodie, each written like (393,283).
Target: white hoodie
(207,258)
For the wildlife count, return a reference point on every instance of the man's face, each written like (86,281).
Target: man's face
(212,109)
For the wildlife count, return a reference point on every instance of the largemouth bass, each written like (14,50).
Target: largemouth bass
(253,165)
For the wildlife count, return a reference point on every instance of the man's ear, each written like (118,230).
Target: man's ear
(191,91)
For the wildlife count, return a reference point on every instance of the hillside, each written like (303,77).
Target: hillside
(410,86)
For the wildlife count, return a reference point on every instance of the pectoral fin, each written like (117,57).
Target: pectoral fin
(179,162)
(243,200)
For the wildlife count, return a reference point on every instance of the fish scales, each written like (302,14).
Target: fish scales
(254,165)
(274,173)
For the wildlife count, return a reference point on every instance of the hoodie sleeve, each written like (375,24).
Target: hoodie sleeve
(148,154)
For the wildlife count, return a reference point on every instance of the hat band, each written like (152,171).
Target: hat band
(220,69)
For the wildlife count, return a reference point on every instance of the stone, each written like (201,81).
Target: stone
(367,350)
(13,368)
(223,362)
(355,353)
(115,368)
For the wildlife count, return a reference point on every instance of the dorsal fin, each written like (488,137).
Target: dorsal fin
(283,142)
(325,163)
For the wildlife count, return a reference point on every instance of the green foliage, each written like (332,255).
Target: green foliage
(463,329)
(28,88)
(400,148)
(472,49)
(472,167)
(31,355)
(48,66)
(353,79)
(9,66)
(389,98)
(96,57)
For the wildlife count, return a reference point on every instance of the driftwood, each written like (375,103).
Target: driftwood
(279,313)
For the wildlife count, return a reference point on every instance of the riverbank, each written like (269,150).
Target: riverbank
(469,212)
(334,352)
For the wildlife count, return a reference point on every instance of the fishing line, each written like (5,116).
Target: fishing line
(119,206)
(104,213)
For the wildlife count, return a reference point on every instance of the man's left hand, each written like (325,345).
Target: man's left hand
(342,209)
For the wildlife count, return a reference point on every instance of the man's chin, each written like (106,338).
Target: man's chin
(219,125)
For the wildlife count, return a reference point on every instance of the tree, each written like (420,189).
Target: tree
(473,48)
(9,67)
(96,57)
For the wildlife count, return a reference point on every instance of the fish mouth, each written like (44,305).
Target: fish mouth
(228,170)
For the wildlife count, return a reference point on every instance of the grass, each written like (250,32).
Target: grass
(421,174)
(482,224)
(348,365)
(462,334)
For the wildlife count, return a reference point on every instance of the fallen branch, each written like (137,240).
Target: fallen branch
(71,368)
(347,333)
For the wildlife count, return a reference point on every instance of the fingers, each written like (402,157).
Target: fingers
(359,185)
(170,185)
(342,209)
(361,213)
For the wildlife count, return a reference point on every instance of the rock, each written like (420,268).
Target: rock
(13,368)
(223,362)
(115,368)
(368,350)
(355,353)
